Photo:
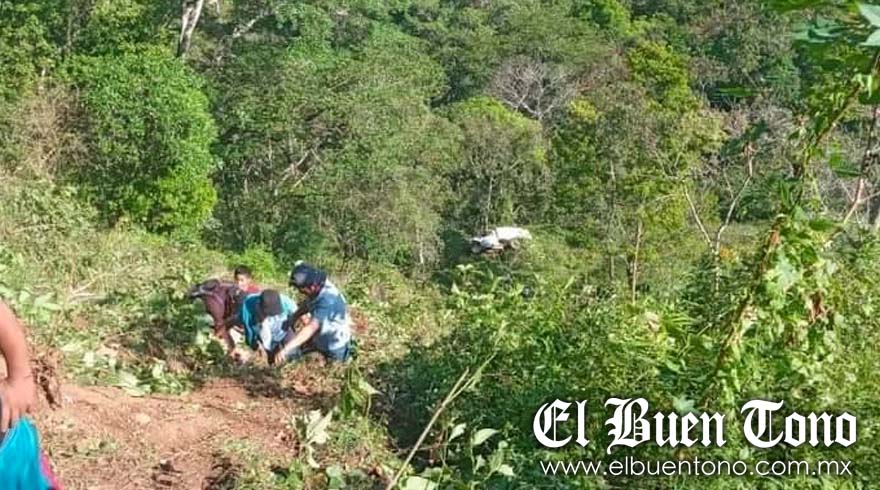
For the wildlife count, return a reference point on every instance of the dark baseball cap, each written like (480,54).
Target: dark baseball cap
(304,275)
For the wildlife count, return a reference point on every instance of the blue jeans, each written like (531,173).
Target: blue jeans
(342,354)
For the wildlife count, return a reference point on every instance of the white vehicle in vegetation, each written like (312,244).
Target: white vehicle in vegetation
(499,239)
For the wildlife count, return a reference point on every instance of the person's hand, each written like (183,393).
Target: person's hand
(240,357)
(279,357)
(17,397)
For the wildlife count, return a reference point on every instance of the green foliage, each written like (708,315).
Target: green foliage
(619,166)
(148,137)
(26,48)
(664,74)
(503,172)
(610,14)
(375,138)
(312,431)
(364,112)
(357,393)
(464,467)
(115,26)
(261,262)
(109,303)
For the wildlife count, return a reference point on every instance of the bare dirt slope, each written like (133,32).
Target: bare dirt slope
(102,438)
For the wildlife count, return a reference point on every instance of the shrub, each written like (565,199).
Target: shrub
(261,262)
(147,135)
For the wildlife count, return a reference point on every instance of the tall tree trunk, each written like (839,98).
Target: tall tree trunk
(612,206)
(78,13)
(634,275)
(488,208)
(875,214)
(868,158)
(189,18)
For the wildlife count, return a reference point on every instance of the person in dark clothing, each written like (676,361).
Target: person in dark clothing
(222,301)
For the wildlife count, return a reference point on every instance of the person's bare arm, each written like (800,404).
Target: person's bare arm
(221,331)
(17,391)
(303,335)
(226,338)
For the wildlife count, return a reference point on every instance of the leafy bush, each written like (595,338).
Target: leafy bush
(109,299)
(26,46)
(114,26)
(503,174)
(261,262)
(148,136)
(664,73)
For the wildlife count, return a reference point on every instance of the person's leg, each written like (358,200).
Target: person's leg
(54,484)
(298,353)
(343,354)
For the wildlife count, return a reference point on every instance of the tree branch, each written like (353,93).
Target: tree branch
(868,156)
(736,198)
(188,21)
(696,216)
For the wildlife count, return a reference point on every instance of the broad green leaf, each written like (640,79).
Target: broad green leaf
(785,275)
(871,13)
(479,463)
(418,483)
(126,379)
(506,470)
(89,359)
(482,436)
(822,225)
(457,431)
(158,370)
(683,405)
(316,432)
(335,480)
(873,40)
(367,388)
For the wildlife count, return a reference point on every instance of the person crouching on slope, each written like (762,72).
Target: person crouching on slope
(324,318)
(264,317)
(222,301)
(23,465)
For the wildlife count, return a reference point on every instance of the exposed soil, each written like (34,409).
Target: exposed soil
(102,438)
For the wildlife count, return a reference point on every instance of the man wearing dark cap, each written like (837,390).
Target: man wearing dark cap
(324,314)
(264,317)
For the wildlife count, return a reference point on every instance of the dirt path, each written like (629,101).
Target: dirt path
(102,438)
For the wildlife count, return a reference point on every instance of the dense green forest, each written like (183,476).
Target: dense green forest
(700,177)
